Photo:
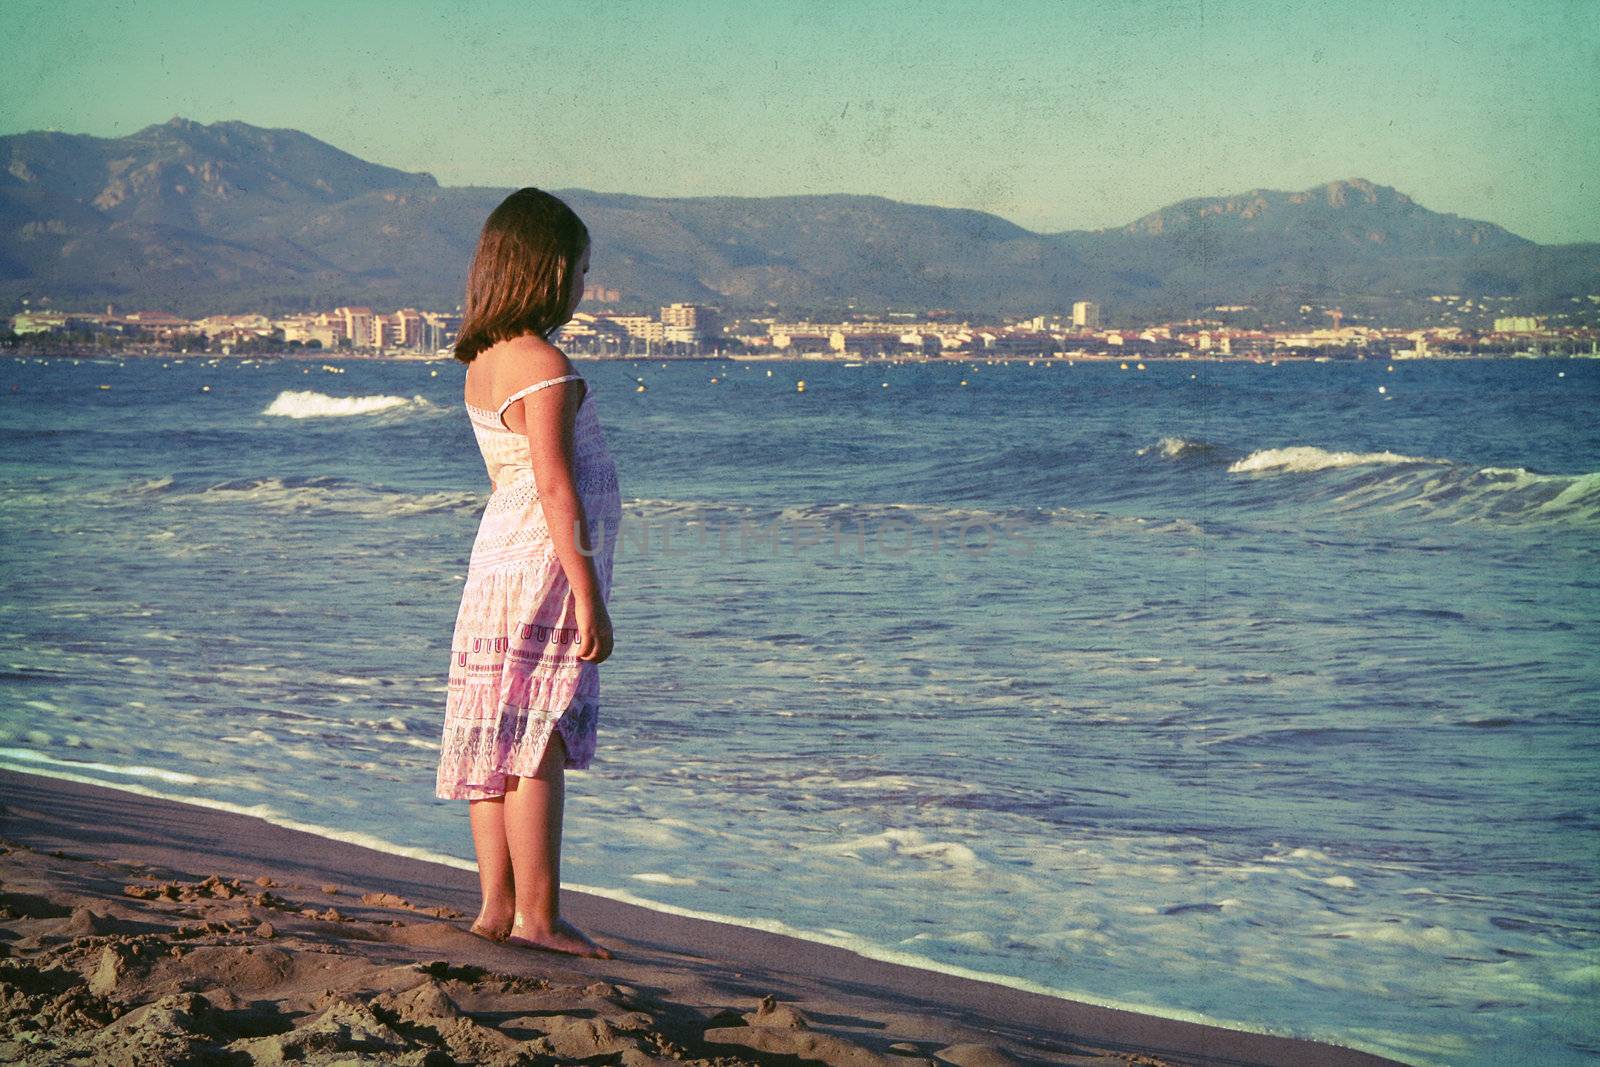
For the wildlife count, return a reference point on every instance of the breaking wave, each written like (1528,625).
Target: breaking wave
(1435,488)
(1177,448)
(320,494)
(304,404)
(1306,458)
(1513,496)
(1422,486)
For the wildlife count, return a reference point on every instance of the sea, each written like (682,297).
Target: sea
(1259,694)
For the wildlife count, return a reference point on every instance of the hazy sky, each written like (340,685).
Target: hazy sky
(1057,115)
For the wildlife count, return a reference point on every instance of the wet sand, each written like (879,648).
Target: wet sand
(139,930)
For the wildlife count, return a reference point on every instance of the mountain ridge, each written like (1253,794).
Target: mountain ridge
(228,216)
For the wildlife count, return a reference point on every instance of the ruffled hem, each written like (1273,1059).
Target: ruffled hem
(477,758)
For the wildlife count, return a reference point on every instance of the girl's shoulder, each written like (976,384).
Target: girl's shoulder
(523,360)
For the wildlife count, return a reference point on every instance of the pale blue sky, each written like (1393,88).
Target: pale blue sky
(1057,115)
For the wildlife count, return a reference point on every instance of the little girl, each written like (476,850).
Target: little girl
(532,631)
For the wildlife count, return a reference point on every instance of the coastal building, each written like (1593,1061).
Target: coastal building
(922,343)
(860,336)
(399,329)
(214,326)
(439,330)
(38,322)
(592,332)
(1086,315)
(158,323)
(357,325)
(1019,343)
(1351,337)
(693,323)
(642,327)
(864,343)
(800,337)
(409,328)
(384,330)
(323,329)
(1519,324)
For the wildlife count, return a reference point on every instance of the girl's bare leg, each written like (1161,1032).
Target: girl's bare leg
(494,868)
(533,812)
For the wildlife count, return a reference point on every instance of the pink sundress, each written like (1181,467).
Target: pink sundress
(514,672)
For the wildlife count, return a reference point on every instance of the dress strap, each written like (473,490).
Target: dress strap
(535,387)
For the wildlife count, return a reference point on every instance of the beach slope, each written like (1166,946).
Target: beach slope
(140,930)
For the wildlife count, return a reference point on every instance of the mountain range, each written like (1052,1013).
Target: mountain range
(197,218)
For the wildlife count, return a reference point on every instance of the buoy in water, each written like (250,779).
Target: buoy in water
(800,386)
(433,374)
(205,388)
(639,388)
(1383,388)
(1141,366)
(105,387)
(1124,366)
(963,381)
(713,381)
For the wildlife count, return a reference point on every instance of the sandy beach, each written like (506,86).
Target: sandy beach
(137,930)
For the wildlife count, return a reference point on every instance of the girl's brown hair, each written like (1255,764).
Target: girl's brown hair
(523,273)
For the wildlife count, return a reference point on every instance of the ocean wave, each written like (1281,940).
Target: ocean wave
(1433,488)
(1177,448)
(318,494)
(848,518)
(304,404)
(1303,459)
(1512,496)
(329,494)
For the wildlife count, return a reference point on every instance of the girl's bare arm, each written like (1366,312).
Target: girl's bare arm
(549,416)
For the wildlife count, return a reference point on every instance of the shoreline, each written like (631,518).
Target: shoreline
(705,968)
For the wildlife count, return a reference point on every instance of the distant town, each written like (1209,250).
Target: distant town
(699,331)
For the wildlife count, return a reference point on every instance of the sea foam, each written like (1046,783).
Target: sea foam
(1176,447)
(1439,488)
(318,494)
(304,404)
(1307,458)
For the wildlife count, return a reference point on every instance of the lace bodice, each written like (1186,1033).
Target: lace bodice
(505,452)
(514,523)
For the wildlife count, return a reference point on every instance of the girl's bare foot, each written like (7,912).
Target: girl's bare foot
(493,924)
(563,937)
